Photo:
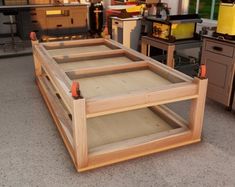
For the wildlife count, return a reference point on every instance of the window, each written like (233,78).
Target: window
(205,8)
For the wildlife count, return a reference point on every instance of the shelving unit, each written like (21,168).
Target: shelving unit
(120,113)
(219,58)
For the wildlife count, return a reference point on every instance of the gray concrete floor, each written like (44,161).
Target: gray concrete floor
(33,154)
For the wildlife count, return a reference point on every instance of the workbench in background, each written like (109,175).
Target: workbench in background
(49,19)
(219,57)
(169,47)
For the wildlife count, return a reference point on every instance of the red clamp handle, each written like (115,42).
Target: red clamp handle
(75,90)
(202,71)
(33,36)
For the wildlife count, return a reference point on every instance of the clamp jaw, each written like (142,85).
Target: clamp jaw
(202,71)
(75,90)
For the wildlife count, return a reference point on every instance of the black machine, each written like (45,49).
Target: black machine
(96,13)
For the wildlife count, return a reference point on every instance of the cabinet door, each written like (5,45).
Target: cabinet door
(78,17)
(220,72)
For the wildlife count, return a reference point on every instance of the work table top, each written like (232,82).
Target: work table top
(5,7)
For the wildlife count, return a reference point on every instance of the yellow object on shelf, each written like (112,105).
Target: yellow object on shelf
(53,12)
(226,19)
(137,8)
(176,30)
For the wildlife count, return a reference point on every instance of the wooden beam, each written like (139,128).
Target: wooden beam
(168,73)
(169,116)
(88,55)
(127,144)
(62,44)
(196,115)
(37,65)
(60,117)
(80,132)
(57,80)
(95,71)
(98,159)
(163,95)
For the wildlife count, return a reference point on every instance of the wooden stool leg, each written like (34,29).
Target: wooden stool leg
(170,56)
(197,109)
(144,48)
(80,133)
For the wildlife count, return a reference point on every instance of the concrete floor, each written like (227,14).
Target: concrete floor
(33,154)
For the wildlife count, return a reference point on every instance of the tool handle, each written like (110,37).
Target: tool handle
(216,48)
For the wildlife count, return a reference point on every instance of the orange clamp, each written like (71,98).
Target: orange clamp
(202,71)
(33,36)
(75,90)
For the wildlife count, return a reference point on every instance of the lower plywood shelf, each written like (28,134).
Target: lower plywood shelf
(143,130)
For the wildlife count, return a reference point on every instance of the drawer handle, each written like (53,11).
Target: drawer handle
(116,22)
(34,21)
(33,14)
(216,48)
(58,25)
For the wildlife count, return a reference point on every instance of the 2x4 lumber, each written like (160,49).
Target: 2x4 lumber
(59,116)
(169,116)
(166,94)
(89,72)
(130,51)
(166,71)
(160,66)
(37,66)
(165,143)
(88,55)
(80,132)
(62,44)
(126,144)
(197,108)
(57,80)
(57,70)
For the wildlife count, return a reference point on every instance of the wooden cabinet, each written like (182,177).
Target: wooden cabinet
(219,57)
(126,31)
(65,20)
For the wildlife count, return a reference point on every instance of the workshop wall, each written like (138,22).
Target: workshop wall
(173,4)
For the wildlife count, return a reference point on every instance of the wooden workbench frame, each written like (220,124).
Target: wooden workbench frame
(70,115)
(169,47)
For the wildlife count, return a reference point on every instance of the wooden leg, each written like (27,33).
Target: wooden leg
(37,66)
(80,133)
(148,50)
(144,48)
(197,109)
(170,56)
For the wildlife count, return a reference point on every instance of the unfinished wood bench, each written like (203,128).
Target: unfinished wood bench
(108,101)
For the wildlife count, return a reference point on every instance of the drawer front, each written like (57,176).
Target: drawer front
(58,22)
(219,48)
(117,23)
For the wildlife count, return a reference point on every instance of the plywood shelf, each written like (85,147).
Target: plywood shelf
(120,83)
